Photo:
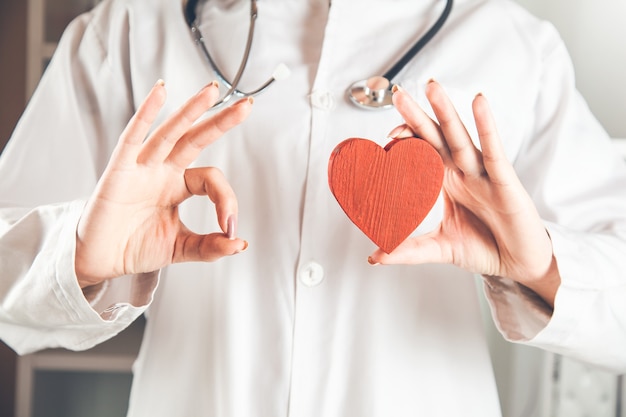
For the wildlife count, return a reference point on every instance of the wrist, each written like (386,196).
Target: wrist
(82,269)
(546,285)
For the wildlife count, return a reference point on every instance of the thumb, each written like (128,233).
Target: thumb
(428,248)
(192,247)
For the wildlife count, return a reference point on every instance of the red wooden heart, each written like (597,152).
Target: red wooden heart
(386,192)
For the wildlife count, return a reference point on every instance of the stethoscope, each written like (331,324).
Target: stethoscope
(373,93)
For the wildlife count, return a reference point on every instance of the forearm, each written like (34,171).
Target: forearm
(589,314)
(41,303)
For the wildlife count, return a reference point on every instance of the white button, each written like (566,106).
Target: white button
(323,100)
(311,274)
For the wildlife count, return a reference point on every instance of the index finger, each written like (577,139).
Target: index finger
(420,123)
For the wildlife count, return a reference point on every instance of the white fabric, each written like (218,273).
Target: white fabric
(247,335)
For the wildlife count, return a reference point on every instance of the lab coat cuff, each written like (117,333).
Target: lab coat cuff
(587,322)
(574,298)
(522,316)
(518,312)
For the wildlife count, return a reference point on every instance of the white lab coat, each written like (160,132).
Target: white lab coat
(300,324)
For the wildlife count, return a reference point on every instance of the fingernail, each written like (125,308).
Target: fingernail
(396,88)
(160,82)
(212,84)
(245,246)
(394,132)
(231,227)
(249,100)
(371,261)
(401,132)
(431,80)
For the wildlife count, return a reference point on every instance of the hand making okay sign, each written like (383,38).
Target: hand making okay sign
(131,222)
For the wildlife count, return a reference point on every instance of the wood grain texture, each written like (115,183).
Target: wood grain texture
(386,192)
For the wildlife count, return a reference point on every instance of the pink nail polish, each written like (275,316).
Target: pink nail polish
(401,132)
(231,228)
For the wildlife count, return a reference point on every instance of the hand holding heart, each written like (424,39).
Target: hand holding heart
(490,224)
(131,224)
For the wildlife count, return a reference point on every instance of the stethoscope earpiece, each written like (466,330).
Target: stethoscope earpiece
(371,94)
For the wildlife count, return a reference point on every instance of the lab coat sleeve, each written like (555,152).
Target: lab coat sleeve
(578,183)
(47,171)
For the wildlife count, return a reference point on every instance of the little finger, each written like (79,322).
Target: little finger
(129,144)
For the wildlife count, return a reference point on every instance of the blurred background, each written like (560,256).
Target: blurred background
(595,34)
(531,383)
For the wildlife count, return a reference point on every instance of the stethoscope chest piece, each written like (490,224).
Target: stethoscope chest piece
(371,94)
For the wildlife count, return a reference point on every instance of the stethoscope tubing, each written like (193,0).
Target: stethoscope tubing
(379,99)
(421,43)
(232,87)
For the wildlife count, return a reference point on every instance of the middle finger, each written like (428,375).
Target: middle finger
(466,157)
(160,143)
(206,132)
